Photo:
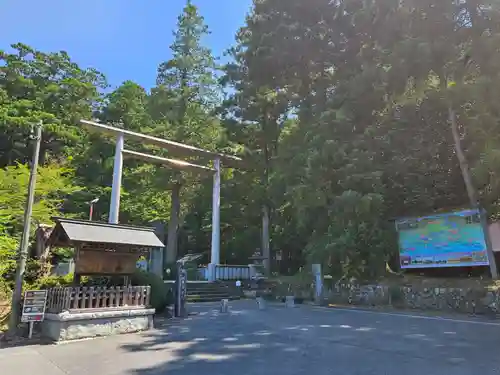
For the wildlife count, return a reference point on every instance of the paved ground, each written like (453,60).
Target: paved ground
(304,340)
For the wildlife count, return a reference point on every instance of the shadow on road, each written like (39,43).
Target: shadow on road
(202,344)
(300,341)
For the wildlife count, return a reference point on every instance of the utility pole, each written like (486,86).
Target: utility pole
(23,249)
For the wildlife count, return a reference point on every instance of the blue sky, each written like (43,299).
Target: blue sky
(124,39)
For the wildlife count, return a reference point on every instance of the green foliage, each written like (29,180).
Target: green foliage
(189,76)
(5,300)
(160,296)
(62,254)
(8,249)
(341,111)
(187,88)
(192,271)
(356,242)
(170,271)
(49,87)
(54,184)
(370,85)
(127,106)
(53,281)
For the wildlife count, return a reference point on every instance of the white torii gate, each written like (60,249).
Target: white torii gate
(177,149)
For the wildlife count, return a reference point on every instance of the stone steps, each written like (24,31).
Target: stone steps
(208,292)
(210,298)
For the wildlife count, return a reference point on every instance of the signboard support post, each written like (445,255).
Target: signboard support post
(489,247)
(30,334)
(33,308)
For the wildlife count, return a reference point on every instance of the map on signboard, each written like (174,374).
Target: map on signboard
(447,240)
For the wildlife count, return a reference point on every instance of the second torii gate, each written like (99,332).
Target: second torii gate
(176,149)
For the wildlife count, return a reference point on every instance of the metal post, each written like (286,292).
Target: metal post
(215,250)
(114,205)
(30,332)
(23,249)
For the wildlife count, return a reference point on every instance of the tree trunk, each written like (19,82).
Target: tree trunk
(266,248)
(41,251)
(471,190)
(173,225)
(462,160)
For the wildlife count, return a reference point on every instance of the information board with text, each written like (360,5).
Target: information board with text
(34,305)
(446,240)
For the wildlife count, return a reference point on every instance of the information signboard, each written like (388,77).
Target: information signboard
(446,240)
(34,305)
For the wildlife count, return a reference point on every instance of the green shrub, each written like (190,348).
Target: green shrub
(395,294)
(192,272)
(34,272)
(5,298)
(160,296)
(170,271)
(53,281)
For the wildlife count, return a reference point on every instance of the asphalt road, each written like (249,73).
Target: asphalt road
(303,340)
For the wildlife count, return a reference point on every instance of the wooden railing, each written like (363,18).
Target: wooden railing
(97,298)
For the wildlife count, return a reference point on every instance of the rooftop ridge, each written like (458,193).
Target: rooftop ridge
(57,219)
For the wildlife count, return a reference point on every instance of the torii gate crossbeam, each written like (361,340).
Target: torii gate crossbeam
(177,149)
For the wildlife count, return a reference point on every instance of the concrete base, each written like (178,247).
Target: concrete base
(249,293)
(261,303)
(79,325)
(224,306)
(212,269)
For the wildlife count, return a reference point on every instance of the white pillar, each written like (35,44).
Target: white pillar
(215,250)
(318,282)
(114,205)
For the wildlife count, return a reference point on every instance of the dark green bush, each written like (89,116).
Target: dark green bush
(53,281)
(395,294)
(160,297)
(5,298)
(170,271)
(192,272)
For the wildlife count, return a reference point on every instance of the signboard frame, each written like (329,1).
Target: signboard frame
(434,251)
(34,299)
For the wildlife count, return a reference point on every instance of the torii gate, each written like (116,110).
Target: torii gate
(177,149)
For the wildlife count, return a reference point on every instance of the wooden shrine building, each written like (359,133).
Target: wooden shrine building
(103,249)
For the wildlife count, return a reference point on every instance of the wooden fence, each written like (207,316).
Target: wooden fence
(97,298)
(227,272)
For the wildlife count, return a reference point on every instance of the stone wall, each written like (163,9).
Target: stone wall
(477,300)
(286,287)
(462,296)
(73,326)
